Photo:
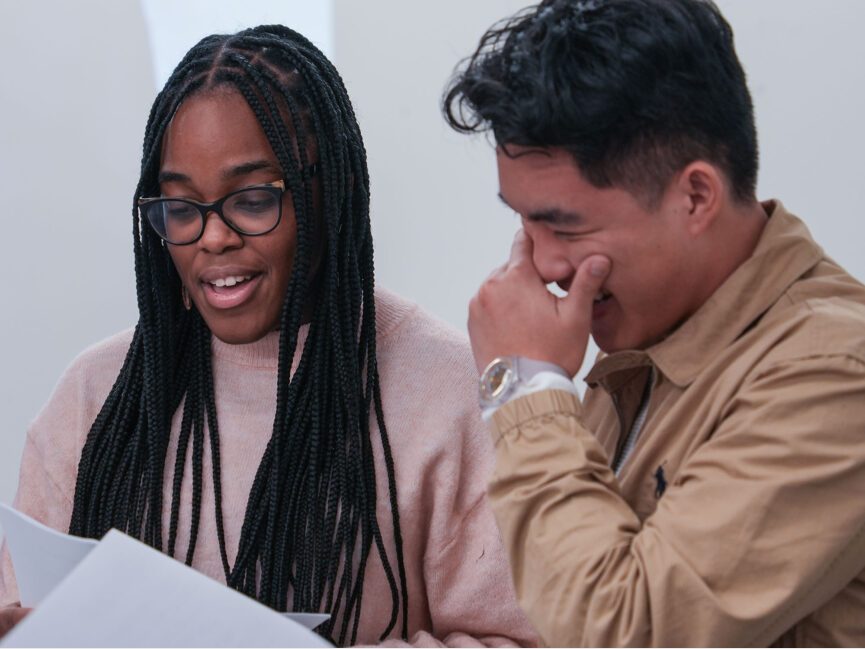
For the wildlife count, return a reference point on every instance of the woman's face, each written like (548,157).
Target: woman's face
(212,147)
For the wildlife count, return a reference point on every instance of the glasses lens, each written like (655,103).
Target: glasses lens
(175,221)
(253,211)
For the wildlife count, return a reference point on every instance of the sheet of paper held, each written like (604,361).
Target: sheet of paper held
(119,589)
(126,594)
(42,557)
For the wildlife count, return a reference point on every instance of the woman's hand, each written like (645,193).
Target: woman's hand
(10,616)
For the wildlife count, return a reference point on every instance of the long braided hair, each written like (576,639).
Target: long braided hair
(310,522)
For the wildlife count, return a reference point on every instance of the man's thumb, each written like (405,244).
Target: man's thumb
(590,276)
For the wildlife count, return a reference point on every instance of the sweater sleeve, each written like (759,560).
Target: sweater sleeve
(49,463)
(471,595)
(40,496)
(459,586)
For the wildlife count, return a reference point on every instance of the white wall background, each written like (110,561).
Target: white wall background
(804,62)
(74,98)
(173,27)
(79,79)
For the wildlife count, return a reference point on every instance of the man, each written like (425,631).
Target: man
(708,489)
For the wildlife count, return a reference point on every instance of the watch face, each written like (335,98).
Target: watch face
(496,379)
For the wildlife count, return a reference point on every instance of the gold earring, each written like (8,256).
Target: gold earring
(187,303)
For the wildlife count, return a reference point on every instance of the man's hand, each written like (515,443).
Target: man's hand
(10,616)
(513,313)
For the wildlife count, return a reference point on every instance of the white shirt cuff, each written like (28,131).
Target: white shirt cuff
(546,380)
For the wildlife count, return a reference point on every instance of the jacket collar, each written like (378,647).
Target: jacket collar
(784,252)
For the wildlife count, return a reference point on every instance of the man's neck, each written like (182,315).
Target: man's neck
(735,236)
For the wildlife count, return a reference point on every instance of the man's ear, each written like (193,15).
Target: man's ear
(700,189)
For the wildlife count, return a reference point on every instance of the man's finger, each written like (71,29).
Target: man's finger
(588,280)
(521,263)
(521,250)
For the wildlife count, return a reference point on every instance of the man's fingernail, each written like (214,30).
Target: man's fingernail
(599,267)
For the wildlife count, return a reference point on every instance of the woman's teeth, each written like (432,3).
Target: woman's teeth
(230,281)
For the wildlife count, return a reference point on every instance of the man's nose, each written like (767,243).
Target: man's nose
(217,236)
(550,259)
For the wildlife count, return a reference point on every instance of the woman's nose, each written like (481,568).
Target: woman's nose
(217,236)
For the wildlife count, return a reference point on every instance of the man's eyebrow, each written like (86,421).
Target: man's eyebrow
(555,216)
(552,216)
(229,174)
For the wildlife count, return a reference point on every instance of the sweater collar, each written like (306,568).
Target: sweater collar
(263,353)
(390,312)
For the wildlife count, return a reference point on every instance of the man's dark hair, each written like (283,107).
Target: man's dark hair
(634,89)
(310,523)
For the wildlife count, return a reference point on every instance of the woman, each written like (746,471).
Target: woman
(274,420)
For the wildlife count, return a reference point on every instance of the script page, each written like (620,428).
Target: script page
(126,594)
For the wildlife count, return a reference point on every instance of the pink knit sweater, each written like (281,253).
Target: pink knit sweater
(459,586)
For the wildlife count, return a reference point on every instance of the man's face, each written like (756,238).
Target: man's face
(652,286)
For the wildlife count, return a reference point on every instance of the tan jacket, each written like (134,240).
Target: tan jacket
(739,518)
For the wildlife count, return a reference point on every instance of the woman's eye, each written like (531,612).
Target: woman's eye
(180,211)
(250,206)
(255,204)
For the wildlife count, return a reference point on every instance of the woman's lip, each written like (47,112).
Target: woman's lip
(229,297)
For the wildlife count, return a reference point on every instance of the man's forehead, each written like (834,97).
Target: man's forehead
(535,156)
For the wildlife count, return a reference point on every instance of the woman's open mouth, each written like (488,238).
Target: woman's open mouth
(230,291)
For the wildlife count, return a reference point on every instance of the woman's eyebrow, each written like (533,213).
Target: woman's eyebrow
(237,171)
(172,177)
(248,168)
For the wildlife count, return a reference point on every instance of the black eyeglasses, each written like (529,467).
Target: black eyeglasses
(250,211)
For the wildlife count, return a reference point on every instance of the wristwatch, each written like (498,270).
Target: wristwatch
(504,374)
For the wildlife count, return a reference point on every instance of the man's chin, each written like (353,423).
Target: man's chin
(611,343)
(606,340)
(609,349)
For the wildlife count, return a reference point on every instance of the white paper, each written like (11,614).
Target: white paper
(126,594)
(42,557)
(309,620)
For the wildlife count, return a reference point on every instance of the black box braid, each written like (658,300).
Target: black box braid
(310,522)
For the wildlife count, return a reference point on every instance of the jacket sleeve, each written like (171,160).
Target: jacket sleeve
(760,526)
